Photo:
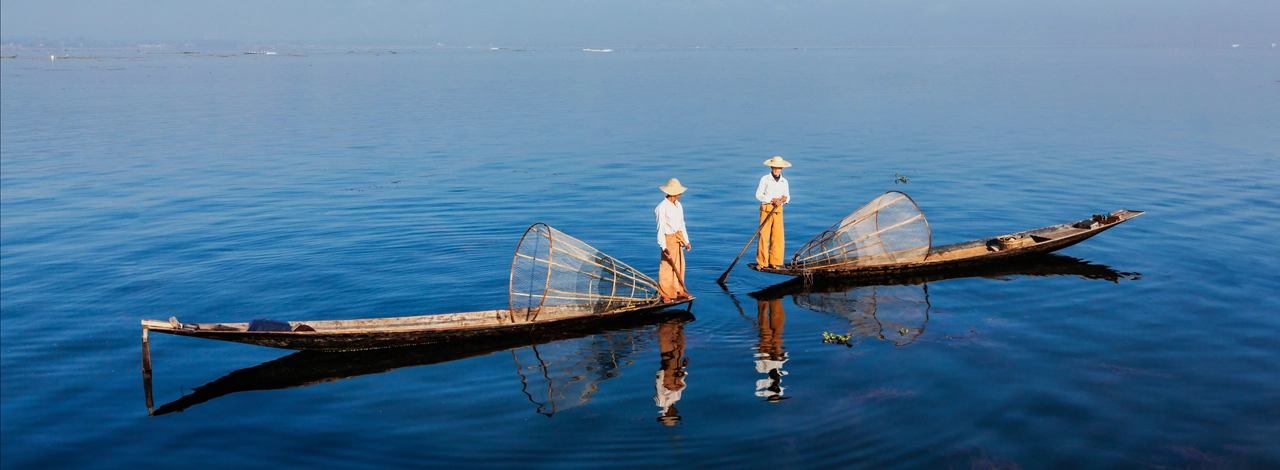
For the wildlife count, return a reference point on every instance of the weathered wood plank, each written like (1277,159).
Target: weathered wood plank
(396,331)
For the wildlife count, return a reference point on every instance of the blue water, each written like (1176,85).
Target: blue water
(350,183)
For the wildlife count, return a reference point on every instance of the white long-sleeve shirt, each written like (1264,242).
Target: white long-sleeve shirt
(770,189)
(670,221)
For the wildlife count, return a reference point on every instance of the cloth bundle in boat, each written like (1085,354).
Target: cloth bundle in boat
(264,324)
(890,229)
(553,272)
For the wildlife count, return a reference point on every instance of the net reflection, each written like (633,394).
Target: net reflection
(563,375)
(897,314)
(896,308)
(558,369)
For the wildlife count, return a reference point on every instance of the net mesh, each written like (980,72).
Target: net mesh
(891,313)
(553,271)
(890,229)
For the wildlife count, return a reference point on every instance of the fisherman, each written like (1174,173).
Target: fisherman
(672,236)
(773,192)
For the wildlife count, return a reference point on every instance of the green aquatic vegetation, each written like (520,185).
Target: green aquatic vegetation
(899,179)
(828,337)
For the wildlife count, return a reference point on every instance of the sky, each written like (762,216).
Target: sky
(648,23)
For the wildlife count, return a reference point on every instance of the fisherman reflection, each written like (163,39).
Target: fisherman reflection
(670,381)
(769,355)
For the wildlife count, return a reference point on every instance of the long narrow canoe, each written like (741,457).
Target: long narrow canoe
(974,252)
(556,281)
(371,333)
(305,368)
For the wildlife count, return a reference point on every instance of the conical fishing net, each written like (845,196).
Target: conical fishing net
(890,229)
(891,313)
(560,275)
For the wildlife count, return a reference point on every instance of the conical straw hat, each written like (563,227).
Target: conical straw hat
(673,187)
(777,162)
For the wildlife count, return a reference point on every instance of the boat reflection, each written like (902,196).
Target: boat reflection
(558,369)
(1036,266)
(896,309)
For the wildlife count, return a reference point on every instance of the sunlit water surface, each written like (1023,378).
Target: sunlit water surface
(332,184)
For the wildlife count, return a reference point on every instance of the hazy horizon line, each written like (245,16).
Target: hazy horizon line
(88,45)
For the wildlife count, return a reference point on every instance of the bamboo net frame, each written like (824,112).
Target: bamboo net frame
(552,269)
(890,229)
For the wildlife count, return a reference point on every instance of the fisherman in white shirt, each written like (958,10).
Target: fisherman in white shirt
(772,192)
(672,236)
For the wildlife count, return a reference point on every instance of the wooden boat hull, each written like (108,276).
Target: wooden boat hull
(968,254)
(305,368)
(374,333)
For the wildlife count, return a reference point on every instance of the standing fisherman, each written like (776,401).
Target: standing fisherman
(672,236)
(772,192)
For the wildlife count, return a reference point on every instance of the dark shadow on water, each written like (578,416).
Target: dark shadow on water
(896,308)
(1036,266)
(579,367)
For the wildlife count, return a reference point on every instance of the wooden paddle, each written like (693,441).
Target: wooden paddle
(678,271)
(725,276)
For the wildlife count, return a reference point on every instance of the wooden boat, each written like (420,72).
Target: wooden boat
(925,258)
(306,368)
(556,281)
(371,333)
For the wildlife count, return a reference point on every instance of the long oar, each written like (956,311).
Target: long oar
(676,269)
(725,276)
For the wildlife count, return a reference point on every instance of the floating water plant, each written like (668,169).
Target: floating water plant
(828,337)
(899,179)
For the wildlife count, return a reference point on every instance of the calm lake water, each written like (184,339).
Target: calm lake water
(352,183)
